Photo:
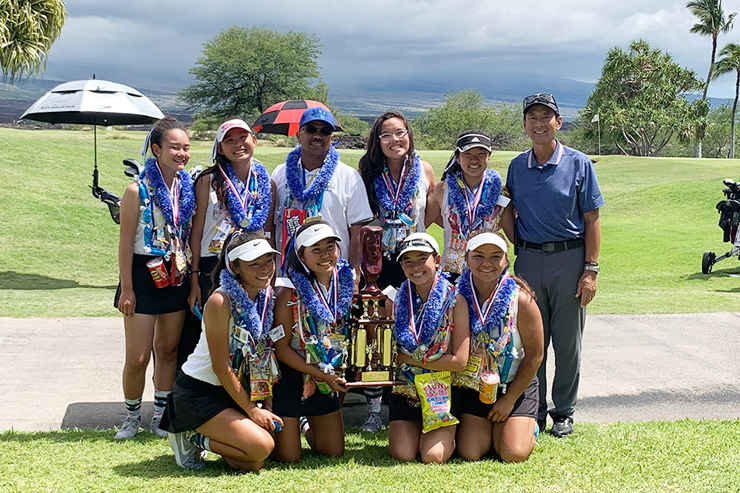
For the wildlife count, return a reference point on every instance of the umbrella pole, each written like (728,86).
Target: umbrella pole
(96,185)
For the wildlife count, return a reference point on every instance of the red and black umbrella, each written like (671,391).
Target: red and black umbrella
(283,118)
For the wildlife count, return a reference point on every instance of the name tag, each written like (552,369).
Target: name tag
(277,333)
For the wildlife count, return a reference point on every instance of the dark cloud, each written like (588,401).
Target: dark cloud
(153,44)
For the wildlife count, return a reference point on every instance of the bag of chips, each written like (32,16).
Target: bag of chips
(435,394)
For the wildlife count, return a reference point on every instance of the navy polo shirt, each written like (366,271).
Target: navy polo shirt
(550,200)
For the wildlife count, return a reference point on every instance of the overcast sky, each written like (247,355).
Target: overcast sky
(153,43)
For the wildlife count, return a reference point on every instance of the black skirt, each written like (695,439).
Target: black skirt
(287,393)
(150,299)
(193,402)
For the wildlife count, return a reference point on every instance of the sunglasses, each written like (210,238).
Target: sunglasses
(545,98)
(311,129)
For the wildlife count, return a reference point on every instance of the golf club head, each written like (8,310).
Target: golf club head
(195,172)
(133,168)
(729,182)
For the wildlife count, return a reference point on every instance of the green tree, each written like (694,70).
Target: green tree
(28,28)
(712,22)
(730,62)
(244,70)
(641,101)
(439,127)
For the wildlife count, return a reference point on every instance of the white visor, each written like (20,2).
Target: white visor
(487,239)
(251,250)
(418,242)
(314,234)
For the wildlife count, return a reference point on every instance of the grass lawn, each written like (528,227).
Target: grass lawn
(58,246)
(683,456)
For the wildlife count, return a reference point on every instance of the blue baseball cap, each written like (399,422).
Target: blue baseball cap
(319,114)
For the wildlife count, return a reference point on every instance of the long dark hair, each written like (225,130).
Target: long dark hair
(453,166)
(294,261)
(161,128)
(371,164)
(236,238)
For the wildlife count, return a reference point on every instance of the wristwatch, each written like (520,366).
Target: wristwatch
(592,266)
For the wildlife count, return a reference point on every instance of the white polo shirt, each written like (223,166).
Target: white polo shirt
(344,202)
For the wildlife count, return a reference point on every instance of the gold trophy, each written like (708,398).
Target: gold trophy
(372,351)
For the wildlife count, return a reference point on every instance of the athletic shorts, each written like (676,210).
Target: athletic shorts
(526,405)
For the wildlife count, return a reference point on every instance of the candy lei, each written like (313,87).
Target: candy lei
(294,176)
(483,207)
(498,305)
(391,207)
(248,210)
(247,312)
(178,211)
(411,332)
(319,309)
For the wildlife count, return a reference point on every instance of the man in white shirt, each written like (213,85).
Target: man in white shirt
(314,182)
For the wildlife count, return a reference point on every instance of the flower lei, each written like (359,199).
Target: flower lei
(409,187)
(245,311)
(439,301)
(162,194)
(505,289)
(294,176)
(311,300)
(256,215)
(455,190)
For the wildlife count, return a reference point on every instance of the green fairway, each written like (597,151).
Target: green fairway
(683,456)
(58,246)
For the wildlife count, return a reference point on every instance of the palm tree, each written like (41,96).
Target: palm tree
(28,28)
(730,61)
(712,22)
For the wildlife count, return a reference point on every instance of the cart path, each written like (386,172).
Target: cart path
(66,372)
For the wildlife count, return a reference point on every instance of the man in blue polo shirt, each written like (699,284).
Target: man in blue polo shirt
(556,199)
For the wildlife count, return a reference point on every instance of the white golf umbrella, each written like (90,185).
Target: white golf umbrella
(94,102)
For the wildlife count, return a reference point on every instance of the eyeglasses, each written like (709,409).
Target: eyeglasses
(387,137)
(545,98)
(311,129)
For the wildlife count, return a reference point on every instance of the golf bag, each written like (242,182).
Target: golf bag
(729,219)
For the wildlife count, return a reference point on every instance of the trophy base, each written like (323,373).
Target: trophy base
(375,378)
(383,383)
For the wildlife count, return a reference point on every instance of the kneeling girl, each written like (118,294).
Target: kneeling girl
(506,337)
(432,335)
(232,366)
(313,310)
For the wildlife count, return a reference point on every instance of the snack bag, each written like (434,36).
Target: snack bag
(435,394)
(470,377)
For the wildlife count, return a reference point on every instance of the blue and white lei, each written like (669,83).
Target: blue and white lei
(489,196)
(505,289)
(162,194)
(294,176)
(440,299)
(310,297)
(259,206)
(390,209)
(245,311)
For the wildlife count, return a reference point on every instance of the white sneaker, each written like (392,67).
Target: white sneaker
(187,455)
(155,429)
(129,428)
(373,423)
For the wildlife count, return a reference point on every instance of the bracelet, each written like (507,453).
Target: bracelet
(591,263)
(195,271)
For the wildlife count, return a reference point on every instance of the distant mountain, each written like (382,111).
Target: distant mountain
(367,98)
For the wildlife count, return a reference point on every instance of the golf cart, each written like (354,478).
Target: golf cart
(729,218)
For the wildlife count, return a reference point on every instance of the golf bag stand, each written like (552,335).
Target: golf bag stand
(110,199)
